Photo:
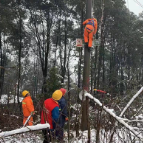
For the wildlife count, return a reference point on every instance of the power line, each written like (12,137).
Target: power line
(140,3)
(136,1)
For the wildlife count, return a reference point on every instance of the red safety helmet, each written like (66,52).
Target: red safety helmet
(63,91)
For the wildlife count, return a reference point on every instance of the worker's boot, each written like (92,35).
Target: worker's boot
(89,48)
(86,44)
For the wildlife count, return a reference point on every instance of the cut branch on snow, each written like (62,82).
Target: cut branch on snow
(24,129)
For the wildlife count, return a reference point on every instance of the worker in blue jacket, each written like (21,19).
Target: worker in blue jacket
(63,113)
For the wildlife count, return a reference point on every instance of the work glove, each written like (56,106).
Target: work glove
(33,112)
(66,118)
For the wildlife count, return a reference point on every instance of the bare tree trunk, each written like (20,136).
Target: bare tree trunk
(19,59)
(103,74)
(57,40)
(45,59)
(79,67)
(100,59)
(69,97)
(68,101)
(95,67)
(1,67)
(80,50)
(15,87)
(91,72)
(63,68)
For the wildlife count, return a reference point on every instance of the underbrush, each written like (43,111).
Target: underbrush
(8,120)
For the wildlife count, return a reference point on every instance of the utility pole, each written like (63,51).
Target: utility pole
(86,72)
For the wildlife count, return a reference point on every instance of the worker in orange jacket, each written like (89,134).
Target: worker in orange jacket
(89,30)
(27,107)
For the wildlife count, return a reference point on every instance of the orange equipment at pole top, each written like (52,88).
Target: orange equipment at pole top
(101,91)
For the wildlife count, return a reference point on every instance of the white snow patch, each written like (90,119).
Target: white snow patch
(5,98)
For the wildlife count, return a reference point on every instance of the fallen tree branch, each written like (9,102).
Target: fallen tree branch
(24,129)
(130,102)
(119,119)
(126,107)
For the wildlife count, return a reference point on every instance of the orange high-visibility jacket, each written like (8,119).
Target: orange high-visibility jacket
(90,30)
(27,106)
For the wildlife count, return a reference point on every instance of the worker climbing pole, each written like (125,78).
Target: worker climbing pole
(89,31)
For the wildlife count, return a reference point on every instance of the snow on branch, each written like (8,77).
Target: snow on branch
(24,129)
(119,119)
(130,102)
(58,75)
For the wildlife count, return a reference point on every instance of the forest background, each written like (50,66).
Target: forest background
(38,52)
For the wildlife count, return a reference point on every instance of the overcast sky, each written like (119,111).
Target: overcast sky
(134,6)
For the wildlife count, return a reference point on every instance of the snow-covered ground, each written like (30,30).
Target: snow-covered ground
(119,137)
(124,132)
(29,137)
(22,138)
(4,99)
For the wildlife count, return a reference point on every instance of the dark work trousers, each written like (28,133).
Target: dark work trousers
(61,130)
(47,136)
